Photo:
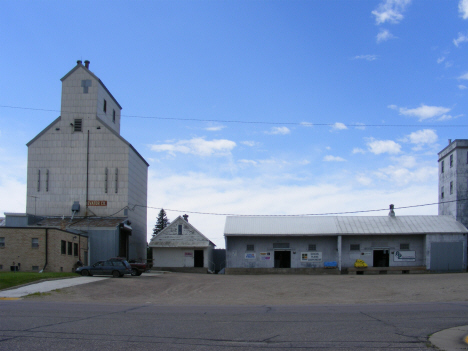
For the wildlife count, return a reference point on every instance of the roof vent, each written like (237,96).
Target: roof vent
(86,63)
(450,141)
(78,62)
(392,213)
(185,217)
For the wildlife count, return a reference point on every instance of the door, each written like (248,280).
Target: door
(198,258)
(282,259)
(381,258)
(447,257)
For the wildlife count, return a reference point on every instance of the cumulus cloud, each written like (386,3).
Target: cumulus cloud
(464,76)
(365,57)
(402,175)
(461,39)
(215,128)
(378,147)
(461,87)
(358,150)
(360,126)
(384,35)
(424,112)
(441,59)
(307,124)
(197,146)
(249,143)
(279,130)
(463,9)
(339,126)
(390,11)
(423,137)
(330,158)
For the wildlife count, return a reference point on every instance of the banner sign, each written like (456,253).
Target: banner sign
(97,203)
(250,256)
(314,256)
(265,255)
(402,256)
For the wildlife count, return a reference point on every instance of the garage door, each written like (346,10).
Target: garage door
(447,257)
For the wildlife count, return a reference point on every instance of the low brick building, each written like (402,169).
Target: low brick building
(33,249)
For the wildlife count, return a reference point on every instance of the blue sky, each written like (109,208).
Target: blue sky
(250,107)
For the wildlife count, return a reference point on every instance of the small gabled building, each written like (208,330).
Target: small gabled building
(180,247)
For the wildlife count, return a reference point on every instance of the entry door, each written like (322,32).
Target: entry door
(381,258)
(282,259)
(198,258)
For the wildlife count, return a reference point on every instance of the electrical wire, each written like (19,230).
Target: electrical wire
(305,124)
(299,215)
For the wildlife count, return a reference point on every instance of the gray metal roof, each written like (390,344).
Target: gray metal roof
(337,225)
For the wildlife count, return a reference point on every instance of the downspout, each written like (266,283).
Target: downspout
(87,175)
(46,247)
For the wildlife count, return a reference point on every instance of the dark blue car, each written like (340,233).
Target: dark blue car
(109,267)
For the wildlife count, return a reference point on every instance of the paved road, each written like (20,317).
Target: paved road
(38,325)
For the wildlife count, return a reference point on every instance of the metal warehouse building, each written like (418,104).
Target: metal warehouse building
(308,245)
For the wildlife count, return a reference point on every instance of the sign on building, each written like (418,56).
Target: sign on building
(404,256)
(314,256)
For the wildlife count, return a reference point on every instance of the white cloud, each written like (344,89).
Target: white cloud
(378,147)
(423,137)
(197,146)
(441,59)
(403,176)
(364,180)
(390,11)
(405,161)
(279,130)
(330,158)
(249,143)
(248,162)
(461,39)
(384,35)
(424,112)
(464,76)
(215,128)
(339,126)
(357,150)
(463,9)
(366,57)
(461,87)
(307,124)
(360,126)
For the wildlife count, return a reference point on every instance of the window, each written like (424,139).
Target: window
(1,266)
(355,247)
(39,180)
(442,192)
(312,247)
(179,229)
(250,247)
(281,245)
(85,84)
(404,246)
(2,242)
(116,180)
(104,107)
(113,116)
(75,249)
(78,125)
(47,181)
(34,242)
(69,251)
(451,188)
(63,245)
(35,268)
(442,167)
(106,175)
(451,161)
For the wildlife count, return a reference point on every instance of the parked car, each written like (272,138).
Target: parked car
(137,267)
(109,267)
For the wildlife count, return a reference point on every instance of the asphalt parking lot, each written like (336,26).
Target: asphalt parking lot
(210,289)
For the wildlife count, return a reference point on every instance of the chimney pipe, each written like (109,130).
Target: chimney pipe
(392,213)
(86,64)
(78,62)
(185,217)
(450,141)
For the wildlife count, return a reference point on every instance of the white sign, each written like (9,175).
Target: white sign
(402,256)
(265,255)
(250,256)
(313,256)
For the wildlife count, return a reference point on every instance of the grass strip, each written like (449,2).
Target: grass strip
(12,279)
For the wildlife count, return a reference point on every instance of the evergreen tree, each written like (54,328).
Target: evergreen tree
(161,223)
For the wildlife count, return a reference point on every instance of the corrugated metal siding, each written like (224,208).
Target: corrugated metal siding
(346,225)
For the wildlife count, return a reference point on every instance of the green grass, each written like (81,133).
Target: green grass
(11,279)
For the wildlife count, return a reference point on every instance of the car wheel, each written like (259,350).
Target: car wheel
(134,272)
(85,273)
(116,274)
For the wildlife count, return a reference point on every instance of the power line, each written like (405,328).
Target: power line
(305,124)
(299,215)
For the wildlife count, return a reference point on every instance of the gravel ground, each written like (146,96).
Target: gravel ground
(207,289)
